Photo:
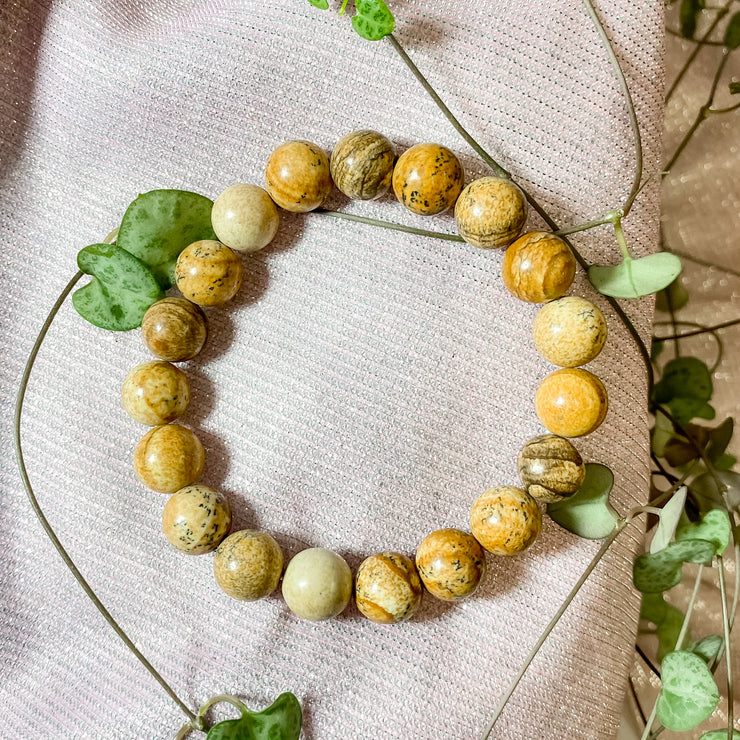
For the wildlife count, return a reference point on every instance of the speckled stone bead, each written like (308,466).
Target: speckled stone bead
(208,273)
(569,331)
(505,520)
(297,176)
(317,584)
(174,329)
(155,393)
(196,519)
(245,218)
(550,468)
(427,179)
(490,212)
(387,588)
(362,164)
(451,564)
(571,402)
(247,565)
(538,267)
(168,458)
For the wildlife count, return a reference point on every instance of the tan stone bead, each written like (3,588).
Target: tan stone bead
(451,564)
(168,458)
(569,331)
(538,267)
(490,212)
(174,329)
(362,164)
(155,393)
(571,402)
(297,176)
(387,588)
(505,520)
(550,468)
(427,179)
(208,273)
(247,565)
(245,218)
(317,584)
(196,519)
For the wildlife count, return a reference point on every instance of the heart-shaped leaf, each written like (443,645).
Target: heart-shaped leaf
(322,4)
(672,298)
(719,438)
(280,721)
(690,11)
(661,571)
(704,489)
(732,32)
(588,512)
(689,694)
(159,224)
(121,291)
(708,647)
(685,387)
(714,527)
(634,278)
(373,20)
(669,516)
(734,88)
(719,735)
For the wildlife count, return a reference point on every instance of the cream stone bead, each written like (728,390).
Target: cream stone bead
(196,519)
(387,588)
(155,393)
(245,218)
(247,565)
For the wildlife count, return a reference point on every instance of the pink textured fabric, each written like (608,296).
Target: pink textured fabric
(363,388)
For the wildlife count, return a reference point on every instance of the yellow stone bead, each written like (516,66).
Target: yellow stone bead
(387,588)
(208,273)
(490,212)
(174,329)
(362,164)
(247,565)
(245,218)
(427,179)
(569,331)
(297,176)
(451,564)
(155,393)
(550,468)
(505,520)
(571,402)
(538,267)
(196,519)
(168,458)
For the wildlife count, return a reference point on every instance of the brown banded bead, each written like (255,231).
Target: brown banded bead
(362,164)
(550,468)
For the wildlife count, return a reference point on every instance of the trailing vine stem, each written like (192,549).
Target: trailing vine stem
(711,330)
(726,632)
(697,332)
(704,263)
(389,225)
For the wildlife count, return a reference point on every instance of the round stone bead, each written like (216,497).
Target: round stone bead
(387,588)
(208,273)
(550,468)
(451,564)
(427,179)
(155,393)
(569,331)
(245,218)
(490,212)
(362,164)
(538,267)
(174,329)
(317,584)
(297,176)
(247,565)
(169,458)
(505,520)
(196,519)
(571,402)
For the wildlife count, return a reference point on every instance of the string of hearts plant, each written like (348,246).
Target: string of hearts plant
(129,277)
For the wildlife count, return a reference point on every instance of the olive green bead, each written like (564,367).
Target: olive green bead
(550,468)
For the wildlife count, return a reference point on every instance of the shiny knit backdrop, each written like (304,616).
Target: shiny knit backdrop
(362,389)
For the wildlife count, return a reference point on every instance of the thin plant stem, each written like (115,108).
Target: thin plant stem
(637,701)
(713,333)
(704,263)
(718,111)
(647,661)
(698,42)
(45,522)
(607,218)
(728,655)
(697,332)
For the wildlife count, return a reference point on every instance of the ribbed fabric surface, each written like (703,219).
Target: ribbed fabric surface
(364,387)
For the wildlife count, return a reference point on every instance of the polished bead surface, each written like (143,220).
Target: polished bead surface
(569,331)
(451,564)
(155,393)
(362,164)
(490,212)
(571,402)
(297,176)
(505,520)
(196,519)
(208,273)
(317,584)
(427,179)
(168,458)
(174,329)
(247,565)
(245,218)
(538,267)
(550,468)
(387,588)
